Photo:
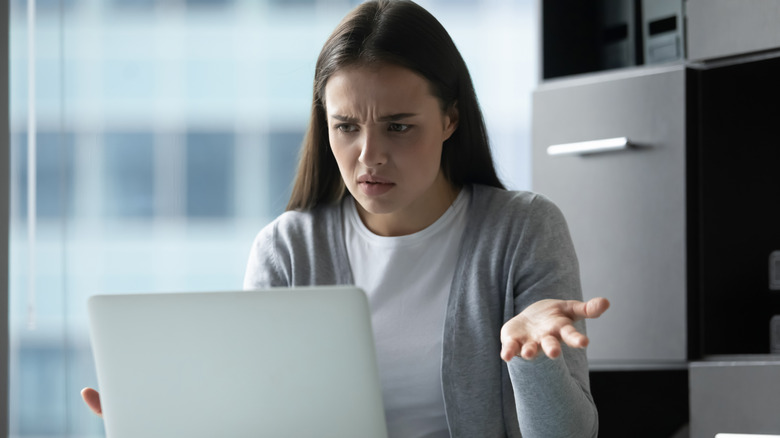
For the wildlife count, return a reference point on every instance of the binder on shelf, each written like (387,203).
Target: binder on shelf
(618,28)
(662,30)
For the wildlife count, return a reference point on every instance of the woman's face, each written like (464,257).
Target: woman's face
(386,131)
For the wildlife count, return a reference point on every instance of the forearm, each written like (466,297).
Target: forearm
(551,402)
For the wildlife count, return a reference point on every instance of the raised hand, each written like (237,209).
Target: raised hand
(544,324)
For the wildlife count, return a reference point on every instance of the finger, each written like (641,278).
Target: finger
(596,306)
(551,346)
(529,351)
(573,338)
(590,309)
(92,399)
(509,349)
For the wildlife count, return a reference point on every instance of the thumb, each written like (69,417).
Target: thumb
(595,307)
(92,399)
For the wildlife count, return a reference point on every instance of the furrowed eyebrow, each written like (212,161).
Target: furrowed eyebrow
(395,117)
(343,118)
(388,118)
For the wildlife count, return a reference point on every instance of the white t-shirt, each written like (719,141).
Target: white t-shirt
(407,280)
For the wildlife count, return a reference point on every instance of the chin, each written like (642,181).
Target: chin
(374,207)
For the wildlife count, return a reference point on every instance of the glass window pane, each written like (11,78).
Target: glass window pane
(54,174)
(210,164)
(210,3)
(42,375)
(283,154)
(129,174)
(137,3)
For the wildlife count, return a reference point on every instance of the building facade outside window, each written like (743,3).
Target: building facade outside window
(166,137)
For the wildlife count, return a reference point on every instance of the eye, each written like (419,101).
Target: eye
(346,127)
(398,127)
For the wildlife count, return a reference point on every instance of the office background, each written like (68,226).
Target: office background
(166,136)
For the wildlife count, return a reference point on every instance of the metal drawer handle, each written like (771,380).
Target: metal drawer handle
(590,147)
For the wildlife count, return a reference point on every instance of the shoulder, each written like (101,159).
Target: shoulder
(524,237)
(299,232)
(518,207)
(296,224)
(288,250)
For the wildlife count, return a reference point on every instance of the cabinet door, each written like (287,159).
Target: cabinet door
(625,209)
(736,394)
(718,28)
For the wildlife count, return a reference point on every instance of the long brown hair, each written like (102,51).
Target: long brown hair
(398,32)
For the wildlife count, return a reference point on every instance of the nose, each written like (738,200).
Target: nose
(373,152)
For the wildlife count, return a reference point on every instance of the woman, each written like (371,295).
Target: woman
(396,192)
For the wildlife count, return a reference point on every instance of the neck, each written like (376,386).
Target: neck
(414,218)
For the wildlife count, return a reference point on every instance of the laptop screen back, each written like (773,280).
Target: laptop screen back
(279,363)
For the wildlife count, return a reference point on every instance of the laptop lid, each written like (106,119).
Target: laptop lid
(296,362)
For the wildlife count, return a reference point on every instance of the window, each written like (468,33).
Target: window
(168,134)
(54,174)
(210,3)
(210,164)
(283,150)
(129,174)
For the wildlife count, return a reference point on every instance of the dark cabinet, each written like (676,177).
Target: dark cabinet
(734,214)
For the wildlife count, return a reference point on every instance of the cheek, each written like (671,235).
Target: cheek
(341,152)
(424,155)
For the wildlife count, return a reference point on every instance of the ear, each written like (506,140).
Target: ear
(451,118)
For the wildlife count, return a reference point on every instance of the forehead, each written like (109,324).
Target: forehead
(359,87)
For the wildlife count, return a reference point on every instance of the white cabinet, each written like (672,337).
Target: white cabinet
(721,28)
(735,394)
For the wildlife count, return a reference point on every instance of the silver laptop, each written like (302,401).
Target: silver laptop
(275,363)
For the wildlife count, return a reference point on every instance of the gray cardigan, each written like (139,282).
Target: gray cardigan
(516,250)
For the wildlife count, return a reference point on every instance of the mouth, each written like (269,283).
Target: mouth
(374,186)
(371,179)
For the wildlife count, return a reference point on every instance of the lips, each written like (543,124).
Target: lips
(372,179)
(373,185)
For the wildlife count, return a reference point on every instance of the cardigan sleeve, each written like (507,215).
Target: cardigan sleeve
(264,268)
(552,396)
(300,249)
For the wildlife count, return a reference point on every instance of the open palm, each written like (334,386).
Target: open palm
(544,324)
